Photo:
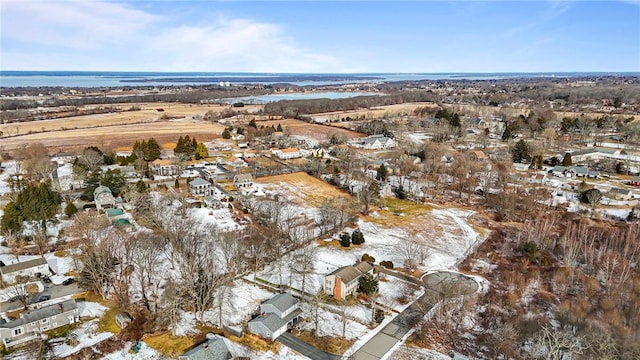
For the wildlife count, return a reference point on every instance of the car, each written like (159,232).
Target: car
(69,281)
(39,298)
(46,280)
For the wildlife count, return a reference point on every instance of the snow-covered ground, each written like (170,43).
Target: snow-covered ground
(91,309)
(220,217)
(9,168)
(87,336)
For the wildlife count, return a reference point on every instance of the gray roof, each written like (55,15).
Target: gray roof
(243,177)
(212,349)
(558,168)
(282,302)
(373,138)
(620,191)
(43,313)
(198,182)
(101,189)
(350,273)
(273,322)
(580,170)
(23,265)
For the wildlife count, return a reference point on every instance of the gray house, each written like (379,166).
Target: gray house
(103,198)
(199,186)
(276,316)
(212,349)
(33,323)
(33,267)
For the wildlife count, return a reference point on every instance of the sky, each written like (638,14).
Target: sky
(321,36)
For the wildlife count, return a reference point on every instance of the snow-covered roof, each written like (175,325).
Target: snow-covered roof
(101,189)
(282,302)
(212,349)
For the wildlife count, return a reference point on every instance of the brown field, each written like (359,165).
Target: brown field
(373,113)
(314,131)
(164,131)
(304,187)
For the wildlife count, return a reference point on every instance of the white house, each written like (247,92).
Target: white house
(164,167)
(344,281)
(243,181)
(103,198)
(377,142)
(32,324)
(276,316)
(33,267)
(199,186)
(288,153)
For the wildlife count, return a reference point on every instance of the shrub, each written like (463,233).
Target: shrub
(357,237)
(368,258)
(345,240)
(70,209)
(387,264)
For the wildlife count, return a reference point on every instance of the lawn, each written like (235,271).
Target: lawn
(169,345)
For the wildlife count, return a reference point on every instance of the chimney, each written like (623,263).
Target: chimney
(205,346)
(60,307)
(264,314)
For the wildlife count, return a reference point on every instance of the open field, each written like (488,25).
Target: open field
(164,131)
(304,187)
(139,124)
(373,113)
(314,131)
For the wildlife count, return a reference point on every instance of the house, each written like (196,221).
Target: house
(620,194)
(344,281)
(214,348)
(635,181)
(276,316)
(377,142)
(243,181)
(289,153)
(103,198)
(558,171)
(35,267)
(32,324)
(199,186)
(164,167)
(123,319)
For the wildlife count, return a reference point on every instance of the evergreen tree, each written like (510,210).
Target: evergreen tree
(114,180)
(226,134)
(201,151)
(566,161)
(93,181)
(345,240)
(357,237)
(279,128)
(400,192)
(520,152)
(36,203)
(381,173)
(252,123)
(367,284)
(70,209)
(152,150)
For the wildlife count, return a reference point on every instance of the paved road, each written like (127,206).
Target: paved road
(442,284)
(55,291)
(305,349)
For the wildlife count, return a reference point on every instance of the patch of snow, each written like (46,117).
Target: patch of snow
(145,353)
(91,309)
(87,336)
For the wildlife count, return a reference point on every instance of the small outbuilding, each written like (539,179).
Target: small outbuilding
(123,319)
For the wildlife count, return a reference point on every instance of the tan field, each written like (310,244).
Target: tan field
(118,128)
(306,188)
(373,113)
(314,131)
(164,131)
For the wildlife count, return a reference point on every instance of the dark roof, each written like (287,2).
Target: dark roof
(273,322)
(282,302)
(43,313)
(212,349)
(23,265)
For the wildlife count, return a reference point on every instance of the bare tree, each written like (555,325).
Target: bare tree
(145,260)
(368,196)
(91,159)
(413,254)
(556,344)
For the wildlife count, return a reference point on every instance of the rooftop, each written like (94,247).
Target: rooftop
(282,301)
(43,313)
(23,265)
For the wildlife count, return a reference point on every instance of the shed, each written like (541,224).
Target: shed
(123,319)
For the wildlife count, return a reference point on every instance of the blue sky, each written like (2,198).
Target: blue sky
(321,36)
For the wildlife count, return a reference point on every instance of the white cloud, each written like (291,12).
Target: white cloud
(111,36)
